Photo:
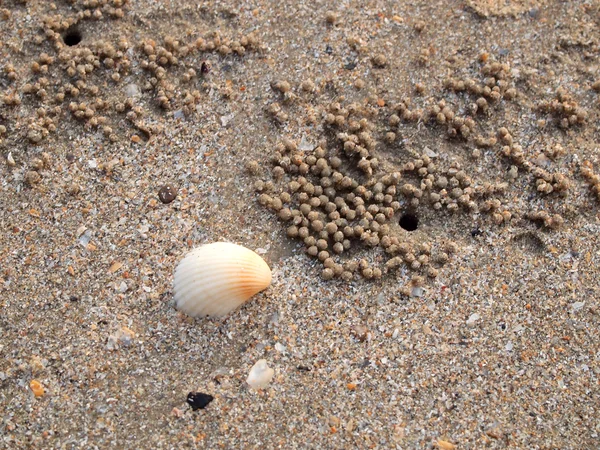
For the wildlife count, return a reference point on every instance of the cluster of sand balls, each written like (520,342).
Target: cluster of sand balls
(160,59)
(546,219)
(494,87)
(448,188)
(545,181)
(564,109)
(333,213)
(80,76)
(592,178)
(338,196)
(473,100)
(341,197)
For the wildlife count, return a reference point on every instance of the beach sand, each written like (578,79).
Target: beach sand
(106,102)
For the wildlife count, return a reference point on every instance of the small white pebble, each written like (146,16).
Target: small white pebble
(280,347)
(123,337)
(304,145)
(417,291)
(122,287)
(427,151)
(226,119)
(260,375)
(81,230)
(473,318)
(85,238)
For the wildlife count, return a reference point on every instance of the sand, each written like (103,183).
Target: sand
(500,350)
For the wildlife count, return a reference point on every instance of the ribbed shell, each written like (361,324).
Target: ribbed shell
(214,279)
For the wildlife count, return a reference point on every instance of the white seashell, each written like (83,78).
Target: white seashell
(260,375)
(214,279)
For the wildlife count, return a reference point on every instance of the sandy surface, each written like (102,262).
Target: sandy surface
(490,341)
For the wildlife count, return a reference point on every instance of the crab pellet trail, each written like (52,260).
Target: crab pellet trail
(421,179)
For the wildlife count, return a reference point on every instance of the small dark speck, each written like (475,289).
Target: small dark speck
(205,67)
(350,65)
(330,86)
(476,232)
(364,364)
(74,298)
(574,254)
(329,49)
(303,368)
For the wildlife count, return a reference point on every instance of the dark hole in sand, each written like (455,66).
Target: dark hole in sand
(72,37)
(409,222)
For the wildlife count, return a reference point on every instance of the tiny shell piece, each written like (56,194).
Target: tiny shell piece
(37,388)
(215,279)
(260,375)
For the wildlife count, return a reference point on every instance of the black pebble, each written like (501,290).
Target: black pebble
(167,194)
(198,400)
